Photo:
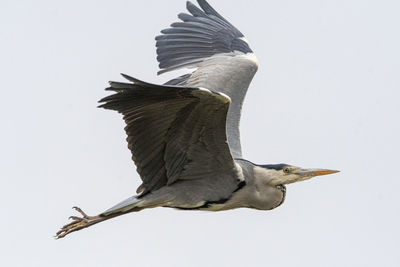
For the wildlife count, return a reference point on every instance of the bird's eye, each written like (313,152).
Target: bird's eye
(286,170)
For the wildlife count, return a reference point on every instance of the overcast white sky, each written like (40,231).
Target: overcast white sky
(326,95)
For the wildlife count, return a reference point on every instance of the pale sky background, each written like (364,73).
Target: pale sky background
(326,95)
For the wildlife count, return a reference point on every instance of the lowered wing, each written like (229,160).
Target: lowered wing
(174,133)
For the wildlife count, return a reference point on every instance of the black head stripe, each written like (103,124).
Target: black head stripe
(277,167)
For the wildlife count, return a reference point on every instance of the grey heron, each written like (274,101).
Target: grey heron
(184,135)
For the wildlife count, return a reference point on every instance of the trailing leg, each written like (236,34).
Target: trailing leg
(132,204)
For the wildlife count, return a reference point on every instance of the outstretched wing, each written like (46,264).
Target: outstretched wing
(174,133)
(221,55)
(200,35)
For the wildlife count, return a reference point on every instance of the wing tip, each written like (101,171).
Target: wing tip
(134,80)
(129,78)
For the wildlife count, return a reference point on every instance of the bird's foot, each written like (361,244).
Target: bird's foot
(78,223)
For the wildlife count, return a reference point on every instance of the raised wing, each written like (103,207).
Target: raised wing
(174,133)
(200,35)
(221,55)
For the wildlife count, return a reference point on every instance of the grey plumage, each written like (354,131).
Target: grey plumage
(202,34)
(184,135)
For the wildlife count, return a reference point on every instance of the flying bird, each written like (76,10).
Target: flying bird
(184,135)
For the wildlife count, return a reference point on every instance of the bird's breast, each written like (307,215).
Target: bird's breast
(256,197)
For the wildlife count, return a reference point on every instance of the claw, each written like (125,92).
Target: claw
(78,223)
(81,212)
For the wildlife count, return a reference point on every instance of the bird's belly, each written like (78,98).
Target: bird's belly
(220,207)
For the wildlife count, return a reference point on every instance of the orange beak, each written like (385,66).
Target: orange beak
(316,172)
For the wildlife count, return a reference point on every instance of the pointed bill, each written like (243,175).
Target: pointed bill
(317,172)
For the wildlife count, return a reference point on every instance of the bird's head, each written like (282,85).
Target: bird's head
(282,174)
